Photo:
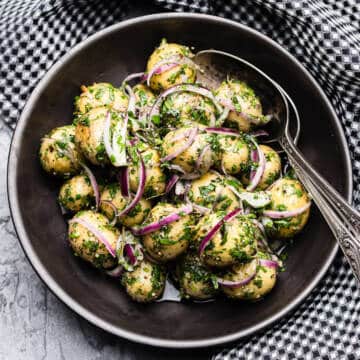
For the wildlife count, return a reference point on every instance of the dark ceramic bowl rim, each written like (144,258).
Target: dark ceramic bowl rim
(51,282)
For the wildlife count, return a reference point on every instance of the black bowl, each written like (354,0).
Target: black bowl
(108,56)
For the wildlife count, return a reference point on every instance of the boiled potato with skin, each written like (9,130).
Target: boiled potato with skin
(236,241)
(187,108)
(77,194)
(58,153)
(287,195)
(89,134)
(100,94)
(155,183)
(87,246)
(243,99)
(234,154)
(171,240)
(135,216)
(144,96)
(182,73)
(187,159)
(196,281)
(272,168)
(146,283)
(211,191)
(258,287)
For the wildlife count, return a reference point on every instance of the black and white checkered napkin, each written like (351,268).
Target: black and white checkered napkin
(323,34)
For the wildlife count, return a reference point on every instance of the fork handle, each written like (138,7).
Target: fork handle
(343,220)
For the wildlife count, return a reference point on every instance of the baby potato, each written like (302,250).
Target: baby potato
(182,73)
(243,99)
(235,242)
(144,96)
(112,193)
(211,191)
(171,240)
(89,134)
(258,287)
(288,195)
(58,154)
(77,194)
(196,281)
(155,183)
(87,246)
(234,154)
(146,283)
(100,94)
(187,160)
(186,108)
(272,168)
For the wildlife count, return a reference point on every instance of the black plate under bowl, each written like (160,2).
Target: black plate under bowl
(108,56)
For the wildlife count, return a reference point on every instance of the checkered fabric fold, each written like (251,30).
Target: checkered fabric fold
(323,34)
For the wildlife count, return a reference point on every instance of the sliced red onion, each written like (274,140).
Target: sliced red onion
(115,151)
(161,67)
(223,167)
(201,209)
(269,263)
(129,251)
(224,115)
(116,272)
(200,159)
(216,228)
(114,208)
(222,131)
(140,189)
(97,233)
(259,133)
(181,149)
(155,110)
(133,76)
(176,168)
(274,214)
(181,135)
(93,183)
(255,177)
(238,283)
(171,183)
(131,109)
(123,177)
(147,229)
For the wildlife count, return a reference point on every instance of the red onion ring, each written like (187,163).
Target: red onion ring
(269,263)
(274,214)
(93,183)
(114,208)
(129,251)
(133,76)
(222,131)
(172,182)
(116,272)
(98,234)
(123,177)
(147,229)
(255,177)
(216,228)
(181,149)
(159,69)
(176,168)
(140,189)
(155,110)
(259,133)
(200,159)
(236,284)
